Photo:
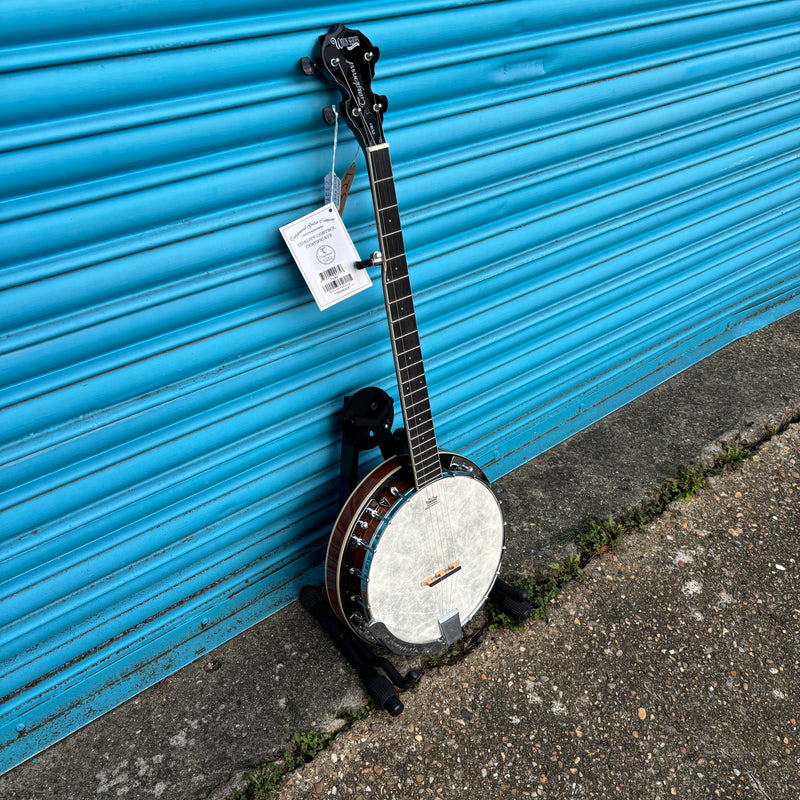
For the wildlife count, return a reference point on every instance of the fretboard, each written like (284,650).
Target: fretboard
(404,335)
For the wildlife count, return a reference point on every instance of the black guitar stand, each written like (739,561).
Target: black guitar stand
(367,418)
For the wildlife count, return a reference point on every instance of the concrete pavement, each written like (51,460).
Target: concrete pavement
(668,669)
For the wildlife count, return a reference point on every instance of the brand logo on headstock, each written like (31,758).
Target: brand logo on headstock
(356,79)
(345,42)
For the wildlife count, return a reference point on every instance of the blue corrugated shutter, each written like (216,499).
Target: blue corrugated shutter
(594,195)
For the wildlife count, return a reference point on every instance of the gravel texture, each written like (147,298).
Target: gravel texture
(670,668)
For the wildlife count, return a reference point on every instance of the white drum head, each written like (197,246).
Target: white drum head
(439,552)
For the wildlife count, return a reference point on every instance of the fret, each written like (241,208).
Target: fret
(397,273)
(410,380)
(406,341)
(402,267)
(422,438)
(423,443)
(407,393)
(426,410)
(406,386)
(412,315)
(420,418)
(391,244)
(429,470)
(429,473)
(430,467)
(425,460)
(411,356)
(422,434)
(422,422)
(403,310)
(401,304)
(424,399)
(401,330)
(428,462)
(400,307)
(412,385)
(413,380)
(423,426)
(399,286)
(386,196)
(429,459)
(389,220)
(407,362)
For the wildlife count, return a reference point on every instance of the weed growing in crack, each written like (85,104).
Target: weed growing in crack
(310,742)
(688,482)
(732,455)
(266,781)
(599,536)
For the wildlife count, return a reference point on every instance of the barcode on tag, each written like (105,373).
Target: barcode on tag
(336,269)
(336,283)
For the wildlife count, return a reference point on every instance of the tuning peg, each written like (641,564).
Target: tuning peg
(307,65)
(329,115)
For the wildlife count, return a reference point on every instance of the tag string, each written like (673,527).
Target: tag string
(335,139)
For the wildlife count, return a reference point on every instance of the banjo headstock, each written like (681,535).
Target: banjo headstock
(345,59)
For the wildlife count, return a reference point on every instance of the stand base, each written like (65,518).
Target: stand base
(512,602)
(366,663)
(363,660)
(366,423)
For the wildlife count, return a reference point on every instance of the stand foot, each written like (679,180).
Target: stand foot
(512,602)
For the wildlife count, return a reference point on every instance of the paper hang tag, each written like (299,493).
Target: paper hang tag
(326,256)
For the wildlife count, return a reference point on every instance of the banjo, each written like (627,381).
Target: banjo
(416,548)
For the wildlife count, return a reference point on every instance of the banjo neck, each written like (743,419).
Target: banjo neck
(404,335)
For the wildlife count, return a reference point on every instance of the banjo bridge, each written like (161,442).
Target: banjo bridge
(441,574)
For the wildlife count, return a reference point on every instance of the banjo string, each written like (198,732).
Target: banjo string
(452,554)
(443,536)
(440,543)
(432,528)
